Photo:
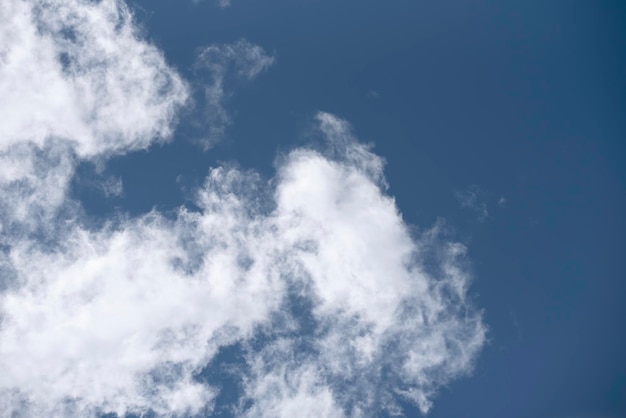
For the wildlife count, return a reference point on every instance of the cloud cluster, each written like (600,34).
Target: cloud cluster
(122,319)
(339,308)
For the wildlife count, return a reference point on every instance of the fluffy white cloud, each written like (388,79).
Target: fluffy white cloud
(284,390)
(76,81)
(386,325)
(79,70)
(340,309)
(122,319)
(240,60)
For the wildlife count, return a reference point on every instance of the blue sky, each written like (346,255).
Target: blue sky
(326,209)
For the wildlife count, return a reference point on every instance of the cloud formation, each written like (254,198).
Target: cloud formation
(123,319)
(79,70)
(338,307)
(385,324)
(241,61)
(77,81)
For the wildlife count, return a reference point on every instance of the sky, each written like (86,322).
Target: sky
(274,208)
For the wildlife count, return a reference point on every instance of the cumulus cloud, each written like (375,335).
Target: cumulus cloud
(385,324)
(77,81)
(123,319)
(224,63)
(120,319)
(339,308)
(79,70)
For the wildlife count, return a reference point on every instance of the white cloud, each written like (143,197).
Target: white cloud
(241,60)
(76,81)
(282,388)
(79,70)
(387,324)
(116,319)
(122,318)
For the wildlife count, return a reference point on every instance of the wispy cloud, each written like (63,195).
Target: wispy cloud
(223,4)
(373,94)
(112,186)
(241,61)
(474,199)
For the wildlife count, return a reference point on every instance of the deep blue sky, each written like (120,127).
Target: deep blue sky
(520,100)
